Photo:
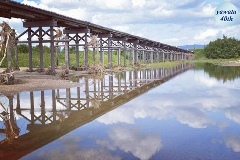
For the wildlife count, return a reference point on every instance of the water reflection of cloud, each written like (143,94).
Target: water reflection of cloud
(206,80)
(106,144)
(233,114)
(233,141)
(130,140)
(85,154)
(193,117)
(118,115)
(69,148)
(222,125)
(189,104)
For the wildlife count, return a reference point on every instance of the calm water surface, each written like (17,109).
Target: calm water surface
(194,115)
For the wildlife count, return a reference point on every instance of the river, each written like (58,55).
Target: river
(187,112)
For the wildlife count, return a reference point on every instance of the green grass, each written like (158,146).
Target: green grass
(23,60)
(199,54)
(213,61)
(166,64)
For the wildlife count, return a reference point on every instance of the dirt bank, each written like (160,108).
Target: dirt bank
(230,63)
(34,81)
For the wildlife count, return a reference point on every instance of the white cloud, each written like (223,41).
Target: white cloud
(208,10)
(138,3)
(161,12)
(209,33)
(152,19)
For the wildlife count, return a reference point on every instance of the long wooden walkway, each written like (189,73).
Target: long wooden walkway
(41,27)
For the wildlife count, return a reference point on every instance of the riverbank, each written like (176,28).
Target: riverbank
(34,81)
(220,62)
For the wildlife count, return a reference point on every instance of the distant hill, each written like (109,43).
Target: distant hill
(193,46)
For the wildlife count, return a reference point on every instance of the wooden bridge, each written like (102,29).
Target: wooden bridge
(71,108)
(40,29)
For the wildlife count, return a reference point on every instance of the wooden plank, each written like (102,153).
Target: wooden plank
(74,31)
(133,41)
(119,39)
(52,23)
(105,35)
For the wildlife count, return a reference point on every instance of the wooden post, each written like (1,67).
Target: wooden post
(86,52)
(135,60)
(158,56)
(16,57)
(124,52)
(94,55)
(18,103)
(30,59)
(67,61)
(101,52)
(109,52)
(130,56)
(41,66)
(78,97)
(32,107)
(52,50)
(56,50)
(144,57)
(54,105)
(77,51)
(68,99)
(43,107)
(118,57)
(151,56)
(110,85)
(87,92)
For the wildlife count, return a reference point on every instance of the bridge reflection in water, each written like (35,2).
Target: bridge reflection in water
(53,113)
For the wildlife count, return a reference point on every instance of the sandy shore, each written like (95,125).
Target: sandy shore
(34,81)
(230,63)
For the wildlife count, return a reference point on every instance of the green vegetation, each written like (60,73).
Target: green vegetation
(23,58)
(199,54)
(225,48)
(215,52)
(166,64)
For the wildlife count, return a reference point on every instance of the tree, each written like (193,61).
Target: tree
(223,48)
(22,48)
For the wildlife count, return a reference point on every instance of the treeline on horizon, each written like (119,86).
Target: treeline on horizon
(225,48)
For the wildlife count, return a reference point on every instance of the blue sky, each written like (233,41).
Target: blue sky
(168,21)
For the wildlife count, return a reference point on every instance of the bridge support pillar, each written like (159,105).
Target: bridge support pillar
(119,57)
(135,54)
(67,57)
(77,50)
(124,52)
(40,38)
(151,56)
(30,59)
(109,52)
(144,57)
(163,56)
(86,51)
